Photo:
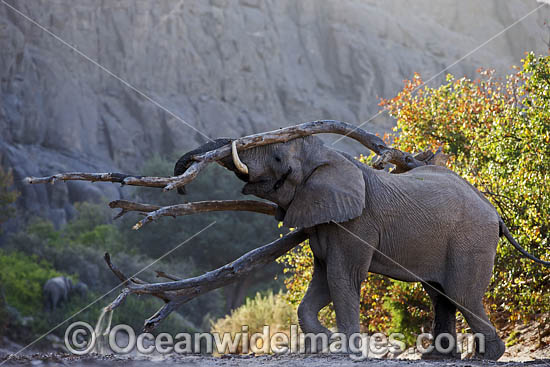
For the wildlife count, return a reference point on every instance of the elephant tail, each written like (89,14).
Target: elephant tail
(503,231)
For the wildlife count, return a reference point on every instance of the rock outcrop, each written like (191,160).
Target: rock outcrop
(227,68)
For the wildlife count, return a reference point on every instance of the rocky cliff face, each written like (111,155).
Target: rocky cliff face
(227,68)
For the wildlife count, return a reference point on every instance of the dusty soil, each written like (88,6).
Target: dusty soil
(525,347)
(249,361)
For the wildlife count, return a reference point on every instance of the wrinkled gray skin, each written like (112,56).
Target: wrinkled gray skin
(426,225)
(433,225)
(59,289)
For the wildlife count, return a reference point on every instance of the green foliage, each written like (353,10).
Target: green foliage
(78,248)
(30,255)
(513,338)
(409,309)
(497,134)
(4,315)
(22,278)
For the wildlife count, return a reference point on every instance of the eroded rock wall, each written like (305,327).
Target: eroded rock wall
(226,67)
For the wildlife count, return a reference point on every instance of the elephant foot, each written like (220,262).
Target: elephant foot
(435,355)
(494,349)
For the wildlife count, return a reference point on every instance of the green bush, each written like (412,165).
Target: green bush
(409,309)
(497,135)
(22,278)
(78,248)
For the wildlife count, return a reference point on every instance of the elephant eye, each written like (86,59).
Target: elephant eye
(277,158)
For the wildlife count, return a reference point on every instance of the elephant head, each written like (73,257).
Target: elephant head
(310,183)
(81,289)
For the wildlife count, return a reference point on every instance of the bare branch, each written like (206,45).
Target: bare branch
(119,300)
(165,311)
(209,206)
(178,292)
(161,274)
(402,160)
(167,183)
(128,283)
(191,208)
(81,176)
(371,141)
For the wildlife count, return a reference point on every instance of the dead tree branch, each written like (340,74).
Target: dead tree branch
(402,160)
(156,212)
(178,292)
(124,179)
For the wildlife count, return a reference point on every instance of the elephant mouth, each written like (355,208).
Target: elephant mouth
(256,187)
(264,186)
(282,180)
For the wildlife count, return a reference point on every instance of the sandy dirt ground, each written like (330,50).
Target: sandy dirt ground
(247,361)
(526,349)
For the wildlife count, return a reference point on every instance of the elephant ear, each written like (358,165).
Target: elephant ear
(334,191)
(68,283)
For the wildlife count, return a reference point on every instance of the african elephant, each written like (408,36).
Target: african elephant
(427,225)
(59,289)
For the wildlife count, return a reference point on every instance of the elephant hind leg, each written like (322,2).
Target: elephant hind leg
(478,321)
(444,321)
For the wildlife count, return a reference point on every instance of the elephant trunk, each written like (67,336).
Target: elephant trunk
(187,159)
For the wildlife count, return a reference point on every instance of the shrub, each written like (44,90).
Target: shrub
(269,309)
(497,134)
(22,278)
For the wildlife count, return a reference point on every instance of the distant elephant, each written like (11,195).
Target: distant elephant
(59,289)
(427,225)
(81,289)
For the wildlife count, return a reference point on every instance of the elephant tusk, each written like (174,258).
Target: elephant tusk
(236,160)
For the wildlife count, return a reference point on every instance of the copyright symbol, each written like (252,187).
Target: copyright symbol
(80,338)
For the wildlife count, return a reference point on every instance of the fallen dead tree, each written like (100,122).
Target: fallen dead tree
(403,161)
(178,291)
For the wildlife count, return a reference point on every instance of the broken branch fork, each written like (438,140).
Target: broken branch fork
(177,292)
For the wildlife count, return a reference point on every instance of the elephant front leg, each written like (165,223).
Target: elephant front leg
(345,290)
(316,297)
(348,260)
